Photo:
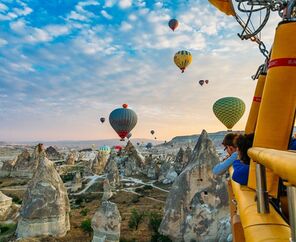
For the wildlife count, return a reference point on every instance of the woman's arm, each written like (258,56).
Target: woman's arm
(222,167)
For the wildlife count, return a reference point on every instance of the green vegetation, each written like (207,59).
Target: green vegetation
(135,199)
(16,200)
(79,200)
(6,230)
(84,211)
(126,240)
(86,226)
(154,223)
(147,187)
(136,218)
(68,177)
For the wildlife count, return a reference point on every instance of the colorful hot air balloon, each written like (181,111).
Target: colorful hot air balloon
(117,148)
(129,135)
(201,82)
(229,110)
(173,24)
(206,81)
(104,150)
(123,120)
(102,119)
(152,132)
(182,59)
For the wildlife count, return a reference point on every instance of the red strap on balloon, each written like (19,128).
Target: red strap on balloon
(282,62)
(257,99)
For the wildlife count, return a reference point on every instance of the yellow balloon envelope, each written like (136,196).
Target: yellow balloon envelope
(182,59)
(229,110)
(224,6)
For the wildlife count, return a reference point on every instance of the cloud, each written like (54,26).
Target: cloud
(80,13)
(23,12)
(3,7)
(18,26)
(125,26)
(76,16)
(57,87)
(109,3)
(125,3)
(3,42)
(20,10)
(106,15)
(57,30)
(34,35)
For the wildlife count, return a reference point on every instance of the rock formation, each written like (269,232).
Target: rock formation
(5,204)
(77,184)
(107,190)
(23,166)
(45,208)
(112,172)
(196,207)
(99,163)
(53,154)
(87,156)
(170,176)
(182,159)
(165,168)
(152,166)
(133,161)
(106,223)
(71,158)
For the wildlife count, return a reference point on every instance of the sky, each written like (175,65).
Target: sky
(66,63)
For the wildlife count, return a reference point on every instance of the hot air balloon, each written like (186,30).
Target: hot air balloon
(182,59)
(104,150)
(229,110)
(206,81)
(129,135)
(102,119)
(201,82)
(117,148)
(149,146)
(155,138)
(123,120)
(173,24)
(152,132)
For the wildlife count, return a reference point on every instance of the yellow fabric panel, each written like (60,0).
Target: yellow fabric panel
(258,227)
(267,233)
(277,109)
(281,162)
(247,206)
(224,6)
(253,115)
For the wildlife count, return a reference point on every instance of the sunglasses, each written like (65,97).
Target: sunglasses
(225,147)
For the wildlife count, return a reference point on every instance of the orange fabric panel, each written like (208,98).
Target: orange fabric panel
(224,6)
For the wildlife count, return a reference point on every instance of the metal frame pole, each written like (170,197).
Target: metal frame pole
(291,190)
(261,191)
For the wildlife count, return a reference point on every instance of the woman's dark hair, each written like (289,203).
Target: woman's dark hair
(243,143)
(229,139)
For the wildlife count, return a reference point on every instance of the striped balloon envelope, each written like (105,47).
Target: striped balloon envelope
(229,110)
(104,150)
(123,120)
